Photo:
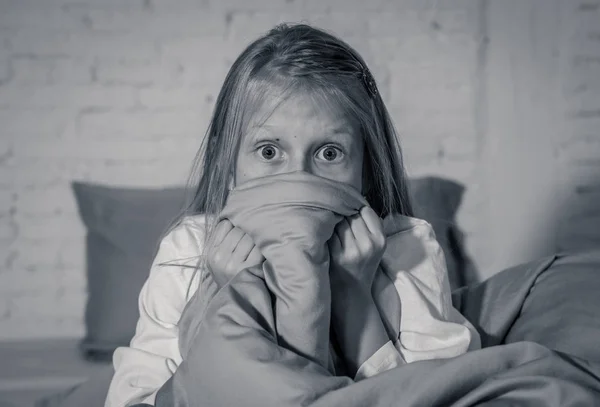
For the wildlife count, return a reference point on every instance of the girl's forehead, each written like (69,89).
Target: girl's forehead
(300,107)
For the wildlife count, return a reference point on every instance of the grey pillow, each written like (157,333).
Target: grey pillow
(562,309)
(124,226)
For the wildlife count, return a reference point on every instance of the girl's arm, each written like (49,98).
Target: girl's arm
(153,354)
(356,249)
(363,339)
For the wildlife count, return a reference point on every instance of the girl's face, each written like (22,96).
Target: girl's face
(298,135)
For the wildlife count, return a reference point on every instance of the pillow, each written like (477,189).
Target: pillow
(562,309)
(124,226)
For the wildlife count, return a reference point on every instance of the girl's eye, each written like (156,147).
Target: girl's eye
(268,152)
(330,153)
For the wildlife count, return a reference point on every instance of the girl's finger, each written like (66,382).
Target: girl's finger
(242,249)
(361,233)
(222,229)
(255,257)
(231,240)
(347,238)
(371,220)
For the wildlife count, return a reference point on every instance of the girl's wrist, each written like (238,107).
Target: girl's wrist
(343,285)
(349,299)
(358,327)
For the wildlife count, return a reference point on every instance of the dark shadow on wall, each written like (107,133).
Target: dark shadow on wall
(437,200)
(578,217)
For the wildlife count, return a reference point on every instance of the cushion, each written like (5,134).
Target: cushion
(124,227)
(562,308)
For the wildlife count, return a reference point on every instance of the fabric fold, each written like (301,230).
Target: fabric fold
(235,360)
(290,217)
(291,221)
(271,323)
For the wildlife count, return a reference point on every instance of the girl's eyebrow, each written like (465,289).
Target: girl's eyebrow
(342,130)
(258,131)
(260,134)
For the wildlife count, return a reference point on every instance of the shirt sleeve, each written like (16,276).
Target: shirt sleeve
(430,327)
(153,354)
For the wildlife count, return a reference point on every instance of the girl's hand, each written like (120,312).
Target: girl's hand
(230,251)
(356,248)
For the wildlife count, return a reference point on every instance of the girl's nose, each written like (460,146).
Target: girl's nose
(300,163)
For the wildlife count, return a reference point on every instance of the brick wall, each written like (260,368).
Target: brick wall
(540,155)
(111,91)
(578,148)
(114,90)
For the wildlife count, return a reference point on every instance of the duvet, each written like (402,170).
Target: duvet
(261,340)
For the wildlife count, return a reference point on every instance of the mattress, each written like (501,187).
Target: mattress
(32,369)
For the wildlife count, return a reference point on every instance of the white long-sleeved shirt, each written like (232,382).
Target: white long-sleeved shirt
(429,328)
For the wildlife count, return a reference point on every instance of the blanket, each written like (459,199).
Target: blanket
(260,342)
(291,217)
(510,307)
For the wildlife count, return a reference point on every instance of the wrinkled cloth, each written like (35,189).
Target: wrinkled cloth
(502,373)
(287,301)
(512,306)
(290,218)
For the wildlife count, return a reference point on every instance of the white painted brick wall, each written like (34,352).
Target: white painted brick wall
(578,149)
(112,90)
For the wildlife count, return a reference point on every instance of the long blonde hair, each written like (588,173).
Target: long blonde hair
(298,58)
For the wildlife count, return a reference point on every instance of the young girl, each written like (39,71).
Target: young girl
(299,99)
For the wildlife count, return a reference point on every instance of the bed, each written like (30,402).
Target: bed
(552,302)
(38,369)
(539,325)
(124,225)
